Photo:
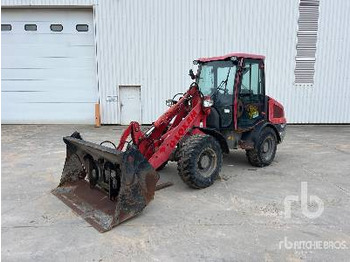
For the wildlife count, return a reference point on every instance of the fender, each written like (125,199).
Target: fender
(218,136)
(254,134)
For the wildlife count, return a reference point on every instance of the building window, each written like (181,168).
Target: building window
(82,28)
(306,42)
(56,27)
(6,27)
(30,27)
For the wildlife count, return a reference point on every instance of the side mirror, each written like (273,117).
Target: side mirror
(192,75)
(170,102)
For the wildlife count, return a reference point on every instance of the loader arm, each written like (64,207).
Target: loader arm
(157,144)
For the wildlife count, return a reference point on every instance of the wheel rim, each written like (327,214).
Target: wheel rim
(207,162)
(267,148)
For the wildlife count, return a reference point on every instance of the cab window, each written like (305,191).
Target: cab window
(226,73)
(206,79)
(251,80)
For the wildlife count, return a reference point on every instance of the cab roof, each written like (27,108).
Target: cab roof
(224,57)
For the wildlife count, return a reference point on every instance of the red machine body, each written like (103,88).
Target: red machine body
(276,112)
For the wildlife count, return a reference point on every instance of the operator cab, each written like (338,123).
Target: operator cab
(218,77)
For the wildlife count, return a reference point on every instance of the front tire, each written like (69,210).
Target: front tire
(265,149)
(200,161)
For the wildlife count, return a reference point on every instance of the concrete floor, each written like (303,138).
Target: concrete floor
(239,218)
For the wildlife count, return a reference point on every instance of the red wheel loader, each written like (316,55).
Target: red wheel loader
(224,108)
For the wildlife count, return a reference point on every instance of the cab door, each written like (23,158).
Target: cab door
(251,97)
(224,95)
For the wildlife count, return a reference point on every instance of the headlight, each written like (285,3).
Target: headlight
(207,102)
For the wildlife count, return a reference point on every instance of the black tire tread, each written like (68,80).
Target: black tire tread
(253,155)
(185,167)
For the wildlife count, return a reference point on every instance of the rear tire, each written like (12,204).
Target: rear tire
(200,161)
(265,149)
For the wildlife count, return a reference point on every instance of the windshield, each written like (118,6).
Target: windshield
(216,76)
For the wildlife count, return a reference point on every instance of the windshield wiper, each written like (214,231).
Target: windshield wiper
(223,82)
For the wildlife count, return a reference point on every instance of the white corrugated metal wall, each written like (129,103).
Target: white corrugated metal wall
(152,43)
(328,101)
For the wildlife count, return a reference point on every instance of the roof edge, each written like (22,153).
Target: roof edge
(224,57)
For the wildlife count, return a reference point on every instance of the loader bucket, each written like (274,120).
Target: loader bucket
(104,185)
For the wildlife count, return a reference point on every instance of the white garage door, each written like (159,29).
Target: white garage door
(48,66)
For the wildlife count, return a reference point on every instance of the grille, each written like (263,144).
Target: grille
(277,112)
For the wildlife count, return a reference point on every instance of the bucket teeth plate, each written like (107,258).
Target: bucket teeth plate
(124,183)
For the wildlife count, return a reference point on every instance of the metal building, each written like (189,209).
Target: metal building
(60,57)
